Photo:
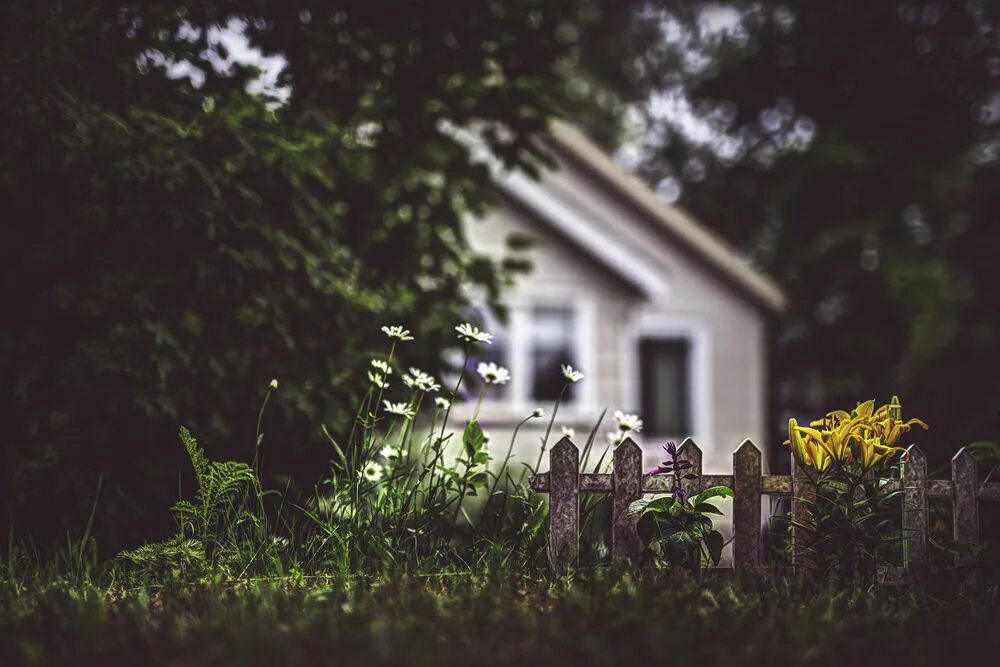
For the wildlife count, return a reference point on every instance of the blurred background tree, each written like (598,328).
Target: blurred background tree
(179,229)
(852,150)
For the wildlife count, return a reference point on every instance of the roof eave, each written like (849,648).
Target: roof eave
(711,248)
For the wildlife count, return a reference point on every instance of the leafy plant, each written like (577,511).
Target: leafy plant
(217,528)
(850,526)
(679,531)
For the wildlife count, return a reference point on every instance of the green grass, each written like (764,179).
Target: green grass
(477,620)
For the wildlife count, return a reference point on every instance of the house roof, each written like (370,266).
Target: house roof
(675,222)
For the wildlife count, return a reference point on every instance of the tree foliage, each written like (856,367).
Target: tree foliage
(176,234)
(851,149)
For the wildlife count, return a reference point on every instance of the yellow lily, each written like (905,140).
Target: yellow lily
(864,409)
(865,434)
(798,443)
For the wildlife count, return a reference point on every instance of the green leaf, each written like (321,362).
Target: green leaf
(714,492)
(636,506)
(714,543)
(479,479)
(707,508)
(473,439)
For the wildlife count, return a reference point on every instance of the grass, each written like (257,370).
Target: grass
(472,619)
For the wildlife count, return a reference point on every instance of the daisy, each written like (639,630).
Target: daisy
(389,452)
(372,471)
(400,409)
(417,379)
(568,432)
(274,384)
(493,374)
(627,422)
(538,412)
(571,374)
(377,379)
(382,366)
(616,437)
(442,403)
(470,333)
(397,332)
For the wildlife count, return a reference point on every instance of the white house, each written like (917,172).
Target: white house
(663,317)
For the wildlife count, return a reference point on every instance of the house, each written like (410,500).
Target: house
(663,317)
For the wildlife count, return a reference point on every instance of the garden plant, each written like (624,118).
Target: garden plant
(851,525)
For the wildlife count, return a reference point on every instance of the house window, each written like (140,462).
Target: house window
(665,368)
(553,330)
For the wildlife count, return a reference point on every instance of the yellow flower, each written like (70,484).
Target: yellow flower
(866,435)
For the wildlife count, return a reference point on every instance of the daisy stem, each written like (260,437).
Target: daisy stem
(548,429)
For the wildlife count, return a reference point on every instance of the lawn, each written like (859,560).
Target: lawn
(594,618)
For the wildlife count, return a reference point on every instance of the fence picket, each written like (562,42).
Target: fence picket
(746,506)
(690,451)
(803,493)
(914,479)
(965,512)
(564,508)
(626,476)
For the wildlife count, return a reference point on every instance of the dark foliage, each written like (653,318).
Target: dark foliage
(167,248)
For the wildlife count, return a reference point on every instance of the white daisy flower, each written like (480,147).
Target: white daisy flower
(571,374)
(401,409)
(568,432)
(389,452)
(627,422)
(377,379)
(616,437)
(417,379)
(382,366)
(472,334)
(372,471)
(538,412)
(274,384)
(493,374)
(397,332)
(442,403)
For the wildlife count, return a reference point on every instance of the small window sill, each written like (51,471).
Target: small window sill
(509,413)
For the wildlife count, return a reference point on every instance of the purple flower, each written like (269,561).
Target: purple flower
(672,465)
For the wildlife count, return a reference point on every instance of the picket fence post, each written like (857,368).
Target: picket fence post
(914,481)
(747,478)
(564,506)
(803,494)
(965,512)
(626,485)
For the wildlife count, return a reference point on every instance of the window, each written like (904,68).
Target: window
(552,335)
(665,367)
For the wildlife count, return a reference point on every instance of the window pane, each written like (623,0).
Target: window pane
(551,347)
(664,375)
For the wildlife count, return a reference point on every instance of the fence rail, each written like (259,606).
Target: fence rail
(564,483)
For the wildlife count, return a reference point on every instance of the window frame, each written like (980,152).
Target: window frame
(517,401)
(659,325)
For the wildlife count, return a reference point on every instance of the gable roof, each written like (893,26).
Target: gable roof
(679,225)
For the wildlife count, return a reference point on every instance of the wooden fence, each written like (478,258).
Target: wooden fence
(564,483)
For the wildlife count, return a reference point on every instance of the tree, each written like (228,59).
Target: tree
(851,149)
(176,234)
